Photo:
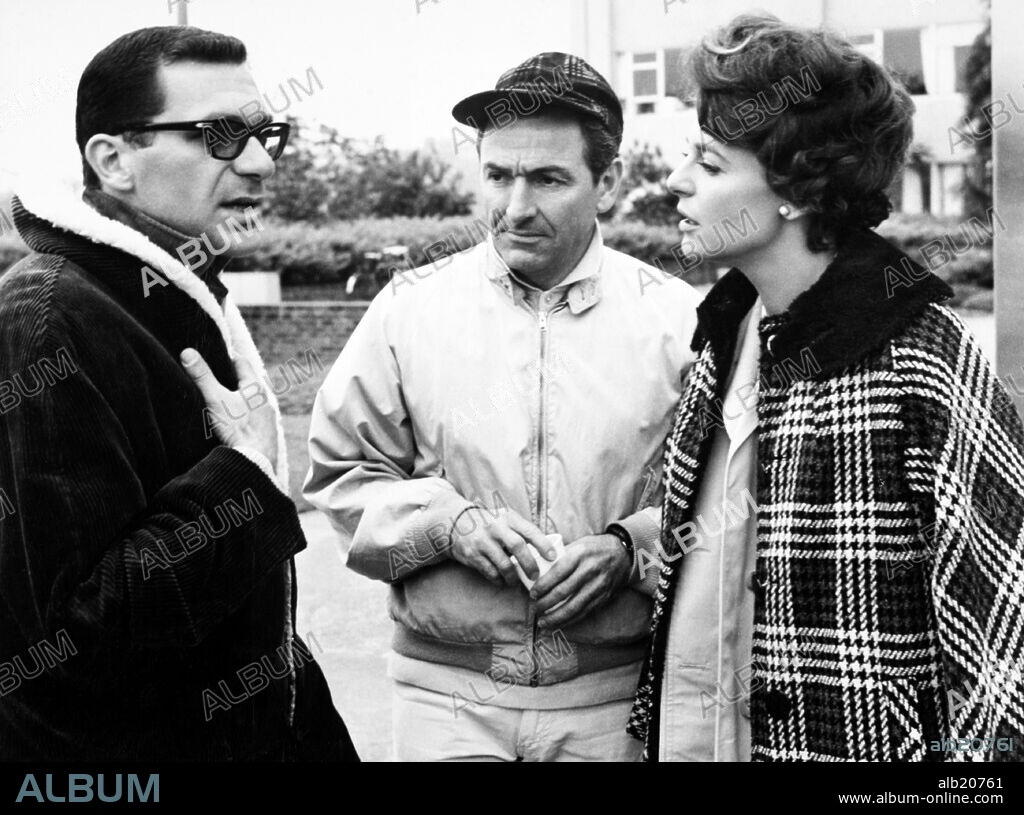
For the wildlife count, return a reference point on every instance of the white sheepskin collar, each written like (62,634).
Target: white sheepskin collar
(73,215)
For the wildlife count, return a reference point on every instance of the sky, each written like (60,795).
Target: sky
(389,67)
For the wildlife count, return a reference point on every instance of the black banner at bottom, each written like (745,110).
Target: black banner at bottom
(795,787)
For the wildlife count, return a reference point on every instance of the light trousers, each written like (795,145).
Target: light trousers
(429,727)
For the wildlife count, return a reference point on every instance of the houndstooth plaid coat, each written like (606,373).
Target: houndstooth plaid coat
(890,551)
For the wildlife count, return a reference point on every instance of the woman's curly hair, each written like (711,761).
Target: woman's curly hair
(831,127)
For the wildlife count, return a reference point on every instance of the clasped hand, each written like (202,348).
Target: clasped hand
(584,578)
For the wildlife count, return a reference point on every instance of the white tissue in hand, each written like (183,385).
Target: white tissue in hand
(543,564)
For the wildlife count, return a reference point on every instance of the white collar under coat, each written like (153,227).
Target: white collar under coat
(74,215)
(739,411)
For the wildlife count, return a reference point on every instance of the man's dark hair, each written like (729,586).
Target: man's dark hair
(830,126)
(600,145)
(120,84)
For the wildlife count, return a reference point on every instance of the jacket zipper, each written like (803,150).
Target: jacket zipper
(541,507)
(541,515)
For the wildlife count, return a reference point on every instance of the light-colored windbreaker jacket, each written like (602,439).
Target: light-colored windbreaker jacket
(453,391)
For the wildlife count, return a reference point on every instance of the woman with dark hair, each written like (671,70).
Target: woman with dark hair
(842,527)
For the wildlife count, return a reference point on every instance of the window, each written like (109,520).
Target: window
(901,50)
(677,78)
(929,60)
(869,44)
(645,83)
(960,55)
(646,66)
(654,75)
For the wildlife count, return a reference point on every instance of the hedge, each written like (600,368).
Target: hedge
(327,254)
(324,253)
(12,249)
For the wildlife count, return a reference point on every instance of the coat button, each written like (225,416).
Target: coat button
(777,703)
(757,585)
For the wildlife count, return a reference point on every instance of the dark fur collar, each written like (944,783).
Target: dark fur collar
(851,310)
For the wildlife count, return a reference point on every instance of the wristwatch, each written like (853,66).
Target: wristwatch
(619,531)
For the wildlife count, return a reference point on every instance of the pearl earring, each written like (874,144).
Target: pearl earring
(784,211)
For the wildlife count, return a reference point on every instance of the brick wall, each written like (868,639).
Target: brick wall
(283,331)
(320,292)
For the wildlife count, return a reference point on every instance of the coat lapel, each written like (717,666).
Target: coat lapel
(72,215)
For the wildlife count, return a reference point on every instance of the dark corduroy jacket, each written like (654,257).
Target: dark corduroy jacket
(145,570)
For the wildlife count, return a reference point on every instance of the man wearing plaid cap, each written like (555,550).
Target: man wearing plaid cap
(505,409)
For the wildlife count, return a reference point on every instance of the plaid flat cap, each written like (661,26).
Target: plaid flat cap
(549,79)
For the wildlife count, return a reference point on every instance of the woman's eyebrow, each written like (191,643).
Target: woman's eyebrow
(711,146)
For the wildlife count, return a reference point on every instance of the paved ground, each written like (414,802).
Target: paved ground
(347,615)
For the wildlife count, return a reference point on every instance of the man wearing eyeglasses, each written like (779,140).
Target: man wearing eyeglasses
(147,587)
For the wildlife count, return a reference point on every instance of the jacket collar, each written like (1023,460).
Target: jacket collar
(164,236)
(846,314)
(44,207)
(52,221)
(583,282)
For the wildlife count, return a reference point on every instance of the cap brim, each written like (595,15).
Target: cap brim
(473,111)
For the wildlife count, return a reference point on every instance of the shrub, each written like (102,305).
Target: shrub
(978,182)
(323,254)
(643,196)
(324,175)
(911,232)
(973,268)
(655,245)
(12,249)
(326,254)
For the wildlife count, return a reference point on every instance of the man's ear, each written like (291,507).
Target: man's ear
(609,183)
(111,159)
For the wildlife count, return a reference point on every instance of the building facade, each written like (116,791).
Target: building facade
(642,46)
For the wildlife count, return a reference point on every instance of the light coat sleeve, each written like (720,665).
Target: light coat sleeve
(393,519)
(644,528)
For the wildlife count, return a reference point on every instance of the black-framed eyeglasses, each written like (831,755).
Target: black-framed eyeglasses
(225,139)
